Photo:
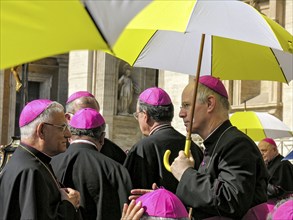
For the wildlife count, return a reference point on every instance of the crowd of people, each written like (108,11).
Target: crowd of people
(65,168)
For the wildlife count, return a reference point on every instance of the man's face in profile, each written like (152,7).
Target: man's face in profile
(267,150)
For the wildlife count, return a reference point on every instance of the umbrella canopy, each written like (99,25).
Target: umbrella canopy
(227,39)
(240,43)
(259,125)
(32,30)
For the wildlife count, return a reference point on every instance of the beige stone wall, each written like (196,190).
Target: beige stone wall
(98,73)
(289,16)
(79,71)
(173,84)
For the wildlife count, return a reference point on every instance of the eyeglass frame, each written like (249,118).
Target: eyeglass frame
(135,114)
(64,126)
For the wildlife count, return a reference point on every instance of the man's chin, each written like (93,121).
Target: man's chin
(63,148)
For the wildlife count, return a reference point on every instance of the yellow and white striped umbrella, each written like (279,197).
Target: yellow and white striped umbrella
(240,43)
(259,125)
(34,29)
(227,39)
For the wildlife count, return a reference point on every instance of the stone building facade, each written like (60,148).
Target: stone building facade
(46,78)
(59,76)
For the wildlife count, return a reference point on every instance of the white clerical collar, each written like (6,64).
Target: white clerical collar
(214,130)
(83,141)
(159,127)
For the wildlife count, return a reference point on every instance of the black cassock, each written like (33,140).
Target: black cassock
(28,190)
(281,177)
(145,159)
(104,184)
(112,150)
(231,179)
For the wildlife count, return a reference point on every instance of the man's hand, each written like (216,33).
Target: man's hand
(180,164)
(135,193)
(132,211)
(70,195)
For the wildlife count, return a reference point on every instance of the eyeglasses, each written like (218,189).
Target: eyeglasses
(63,127)
(135,115)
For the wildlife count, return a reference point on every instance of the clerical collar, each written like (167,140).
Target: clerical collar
(214,130)
(159,127)
(43,157)
(84,141)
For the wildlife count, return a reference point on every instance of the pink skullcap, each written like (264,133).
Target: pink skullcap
(79,94)
(155,96)
(162,203)
(284,211)
(270,141)
(214,84)
(32,110)
(87,118)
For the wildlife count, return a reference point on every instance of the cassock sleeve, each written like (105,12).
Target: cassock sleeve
(229,180)
(40,199)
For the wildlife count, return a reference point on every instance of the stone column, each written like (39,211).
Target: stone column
(80,71)
(104,86)
(5,84)
(174,83)
(62,79)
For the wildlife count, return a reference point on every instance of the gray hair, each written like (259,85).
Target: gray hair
(28,130)
(161,113)
(203,92)
(93,133)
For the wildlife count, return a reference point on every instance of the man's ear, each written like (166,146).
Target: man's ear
(102,138)
(68,116)
(40,131)
(211,101)
(146,116)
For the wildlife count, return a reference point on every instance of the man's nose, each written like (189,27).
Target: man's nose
(182,113)
(67,133)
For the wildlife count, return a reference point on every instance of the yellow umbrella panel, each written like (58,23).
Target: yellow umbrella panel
(222,57)
(240,43)
(259,125)
(33,29)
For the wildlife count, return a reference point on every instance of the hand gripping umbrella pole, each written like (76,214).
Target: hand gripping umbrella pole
(188,135)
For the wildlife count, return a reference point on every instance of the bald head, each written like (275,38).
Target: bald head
(81,103)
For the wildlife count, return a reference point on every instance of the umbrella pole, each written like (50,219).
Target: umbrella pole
(188,135)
